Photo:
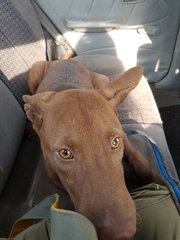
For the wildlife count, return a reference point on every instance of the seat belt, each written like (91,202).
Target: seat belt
(63,49)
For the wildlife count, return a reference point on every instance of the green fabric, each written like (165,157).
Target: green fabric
(158,218)
(43,209)
(59,223)
(72,226)
(38,231)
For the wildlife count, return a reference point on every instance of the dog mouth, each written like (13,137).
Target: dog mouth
(113,223)
(114,229)
(116,233)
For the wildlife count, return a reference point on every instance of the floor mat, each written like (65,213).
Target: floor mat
(171,119)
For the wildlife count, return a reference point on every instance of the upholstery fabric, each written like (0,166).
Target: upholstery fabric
(20,48)
(139,106)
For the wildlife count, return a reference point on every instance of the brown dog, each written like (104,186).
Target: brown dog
(74,113)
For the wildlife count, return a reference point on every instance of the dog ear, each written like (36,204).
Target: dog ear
(35,107)
(117,90)
(99,81)
(139,163)
(36,75)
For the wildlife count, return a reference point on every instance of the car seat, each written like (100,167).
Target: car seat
(23,181)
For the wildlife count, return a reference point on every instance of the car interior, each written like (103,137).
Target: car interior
(107,37)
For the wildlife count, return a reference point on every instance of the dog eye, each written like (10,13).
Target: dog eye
(65,154)
(115,143)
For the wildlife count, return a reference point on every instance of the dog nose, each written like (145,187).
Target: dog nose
(116,232)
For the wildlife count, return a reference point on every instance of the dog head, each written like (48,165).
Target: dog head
(83,145)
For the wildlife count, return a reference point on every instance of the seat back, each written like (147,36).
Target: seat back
(12,127)
(20,47)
